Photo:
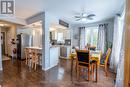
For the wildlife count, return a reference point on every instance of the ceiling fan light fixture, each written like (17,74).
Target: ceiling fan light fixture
(83,19)
(84,15)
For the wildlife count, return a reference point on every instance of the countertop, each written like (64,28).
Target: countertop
(39,48)
(60,46)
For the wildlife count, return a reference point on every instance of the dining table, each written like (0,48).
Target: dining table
(95,56)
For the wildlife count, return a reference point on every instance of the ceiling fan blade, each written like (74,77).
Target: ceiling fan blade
(84,17)
(77,17)
(91,15)
(89,18)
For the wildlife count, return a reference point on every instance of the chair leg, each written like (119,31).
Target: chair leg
(77,73)
(35,65)
(93,72)
(31,64)
(106,71)
(26,61)
(71,66)
(88,73)
(96,72)
(76,68)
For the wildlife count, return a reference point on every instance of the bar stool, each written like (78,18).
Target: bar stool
(35,58)
(39,54)
(27,55)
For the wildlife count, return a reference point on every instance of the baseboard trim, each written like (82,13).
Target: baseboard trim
(49,68)
(45,69)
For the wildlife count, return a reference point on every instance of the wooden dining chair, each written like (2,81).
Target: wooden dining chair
(83,61)
(92,48)
(104,61)
(73,57)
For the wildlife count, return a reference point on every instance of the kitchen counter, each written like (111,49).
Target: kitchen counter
(60,46)
(39,48)
(64,50)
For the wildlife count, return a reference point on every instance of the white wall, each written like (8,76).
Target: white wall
(37,37)
(47,21)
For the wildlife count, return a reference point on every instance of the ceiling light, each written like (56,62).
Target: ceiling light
(2,25)
(84,14)
(83,19)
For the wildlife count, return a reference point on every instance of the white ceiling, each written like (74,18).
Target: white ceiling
(66,9)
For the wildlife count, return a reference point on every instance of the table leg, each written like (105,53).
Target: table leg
(72,60)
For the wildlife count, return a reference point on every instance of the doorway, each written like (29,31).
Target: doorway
(3,42)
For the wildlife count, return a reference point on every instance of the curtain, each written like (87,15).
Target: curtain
(117,41)
(120,67)
(82,37)
(102,37)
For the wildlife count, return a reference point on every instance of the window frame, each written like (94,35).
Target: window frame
(91,30)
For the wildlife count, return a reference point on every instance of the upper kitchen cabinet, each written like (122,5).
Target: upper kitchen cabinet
(60,35)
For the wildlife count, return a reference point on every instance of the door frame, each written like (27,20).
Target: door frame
(127,46)
(0,53)
(3,48)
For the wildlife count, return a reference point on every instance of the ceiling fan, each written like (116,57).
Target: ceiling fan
(84,16)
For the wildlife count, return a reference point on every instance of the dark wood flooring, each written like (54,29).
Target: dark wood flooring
(17,74)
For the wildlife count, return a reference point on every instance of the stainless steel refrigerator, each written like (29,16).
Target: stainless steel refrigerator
(23,41)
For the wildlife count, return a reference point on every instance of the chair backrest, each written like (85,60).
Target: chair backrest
(83,56)
(107,55)
(92,48)
(26,52)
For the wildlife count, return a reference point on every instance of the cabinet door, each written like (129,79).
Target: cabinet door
(54,56)
(63,51)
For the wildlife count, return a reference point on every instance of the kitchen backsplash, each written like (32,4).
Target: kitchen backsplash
(66,42)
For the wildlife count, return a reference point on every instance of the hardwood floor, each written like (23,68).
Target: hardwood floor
(17,74)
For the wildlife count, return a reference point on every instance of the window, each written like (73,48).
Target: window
(91,35)
(60,37)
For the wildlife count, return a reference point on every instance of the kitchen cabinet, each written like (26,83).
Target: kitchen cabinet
(65,51)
